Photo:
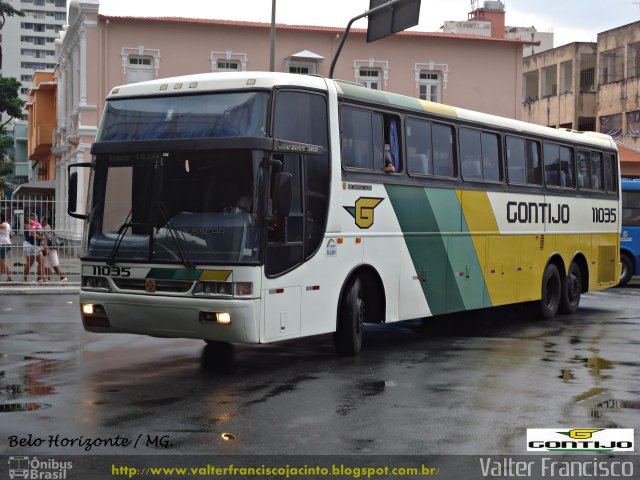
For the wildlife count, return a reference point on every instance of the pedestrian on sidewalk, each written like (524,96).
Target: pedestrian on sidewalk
(5,246)
(51,243)
(32,249)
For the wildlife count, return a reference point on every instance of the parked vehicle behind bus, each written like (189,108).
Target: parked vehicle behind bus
(630,235)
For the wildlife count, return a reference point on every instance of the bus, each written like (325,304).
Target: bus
(258,207)
(630,235)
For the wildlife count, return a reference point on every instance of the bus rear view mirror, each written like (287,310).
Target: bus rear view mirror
(283,193)
(72,194)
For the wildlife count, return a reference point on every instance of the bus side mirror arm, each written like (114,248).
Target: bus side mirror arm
(72,197)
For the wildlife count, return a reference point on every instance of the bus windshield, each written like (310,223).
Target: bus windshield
(191,207)
(239,114)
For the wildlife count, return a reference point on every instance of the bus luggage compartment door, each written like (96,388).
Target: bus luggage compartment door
(282,313)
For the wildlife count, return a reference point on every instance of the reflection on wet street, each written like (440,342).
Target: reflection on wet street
(469,383)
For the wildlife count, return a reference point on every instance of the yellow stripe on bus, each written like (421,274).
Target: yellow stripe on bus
(218,275)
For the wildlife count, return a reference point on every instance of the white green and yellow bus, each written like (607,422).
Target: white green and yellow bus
(258,207)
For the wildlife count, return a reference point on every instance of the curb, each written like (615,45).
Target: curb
(21,288)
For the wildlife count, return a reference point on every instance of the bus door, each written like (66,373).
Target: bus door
(301,154)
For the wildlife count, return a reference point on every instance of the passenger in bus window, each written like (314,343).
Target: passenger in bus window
(388,161)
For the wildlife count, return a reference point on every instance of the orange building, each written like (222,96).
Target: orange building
(41,105)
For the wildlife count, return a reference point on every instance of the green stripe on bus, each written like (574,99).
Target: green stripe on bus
(441,249)
(174,274)
(427,247)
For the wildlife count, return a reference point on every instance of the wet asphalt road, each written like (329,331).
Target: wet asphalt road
(459,384)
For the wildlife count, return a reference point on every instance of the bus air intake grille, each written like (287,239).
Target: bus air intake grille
(541,242)
(144,285)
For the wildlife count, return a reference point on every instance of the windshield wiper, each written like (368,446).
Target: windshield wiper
(175,235)
(121,232)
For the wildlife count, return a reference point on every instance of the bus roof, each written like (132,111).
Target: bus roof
(207,82)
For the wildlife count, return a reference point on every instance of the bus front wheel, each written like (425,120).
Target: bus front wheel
(351,315)
(551,292)
(627,269)
(571,290)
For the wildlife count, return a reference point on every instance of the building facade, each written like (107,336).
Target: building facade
(28,44)
(489,21)
(590,86)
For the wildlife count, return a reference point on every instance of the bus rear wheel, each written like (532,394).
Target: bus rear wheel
(551,292)
(351,315)
(627,269)
(571,290)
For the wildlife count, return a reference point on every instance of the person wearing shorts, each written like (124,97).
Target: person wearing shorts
(51,261)
(5,247)
(32,249)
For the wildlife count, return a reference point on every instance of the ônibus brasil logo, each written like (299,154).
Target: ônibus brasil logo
(580,440)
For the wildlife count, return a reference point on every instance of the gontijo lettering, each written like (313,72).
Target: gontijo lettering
(537,212)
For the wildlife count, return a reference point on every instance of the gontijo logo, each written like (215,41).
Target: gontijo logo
(580,440)
(363,209)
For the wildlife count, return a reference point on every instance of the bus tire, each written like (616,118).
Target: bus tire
(551,292)
(627,269)
(571,290)
(351,314)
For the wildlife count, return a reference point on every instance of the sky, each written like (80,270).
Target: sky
(570,20)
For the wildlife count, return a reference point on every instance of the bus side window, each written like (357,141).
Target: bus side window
(584,169)
(418,141)
(357,138)
(551,165)
(516,167)
(443,158)
(470,154)
(534,176)
(611,173)
(597,182)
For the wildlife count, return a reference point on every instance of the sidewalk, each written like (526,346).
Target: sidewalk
(32,288)
(70,266)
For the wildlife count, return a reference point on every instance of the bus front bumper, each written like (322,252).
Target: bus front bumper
(171,317)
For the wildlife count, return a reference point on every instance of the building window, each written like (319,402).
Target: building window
(633,60)
(587,73)
(530,86)
(633,124)
(549,81)
(228,61)
(370,78)
(371,73)
(611,125)
(612,65)
(228,66)
(429,86)
(566,77)
(303,68)
(304,62)
(139,69)
(140,64)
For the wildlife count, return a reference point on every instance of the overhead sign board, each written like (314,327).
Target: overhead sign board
(400,15)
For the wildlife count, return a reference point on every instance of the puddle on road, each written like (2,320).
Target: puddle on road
(21,407)
(599,401)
